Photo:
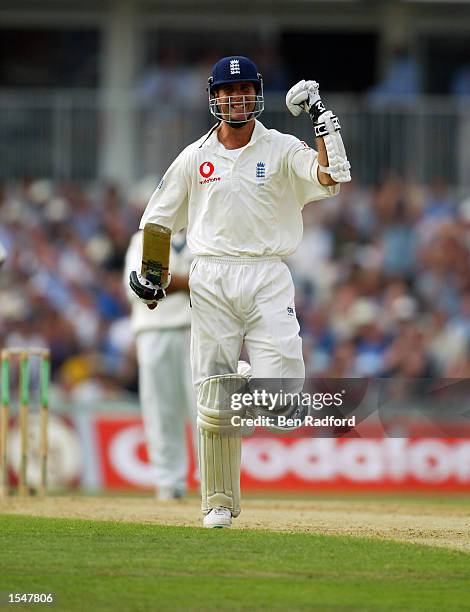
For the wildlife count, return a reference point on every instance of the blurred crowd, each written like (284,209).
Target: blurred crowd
(383,280)
(382,276)
(61,285)
(172,77)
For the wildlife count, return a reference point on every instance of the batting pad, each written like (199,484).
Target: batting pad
(220,442)
(156,254)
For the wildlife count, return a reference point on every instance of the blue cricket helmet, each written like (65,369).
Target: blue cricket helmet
(235,69)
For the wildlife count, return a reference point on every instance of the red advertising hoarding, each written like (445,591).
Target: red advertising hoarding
(302,464)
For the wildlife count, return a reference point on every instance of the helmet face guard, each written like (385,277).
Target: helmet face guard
(235,69)
(251,106)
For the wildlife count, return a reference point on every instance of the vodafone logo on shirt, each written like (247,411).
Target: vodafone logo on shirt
(206,169)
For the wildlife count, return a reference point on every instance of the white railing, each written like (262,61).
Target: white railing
(69,135)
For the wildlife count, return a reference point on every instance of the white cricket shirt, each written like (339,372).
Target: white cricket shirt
(172,312)
(248,206)
(3,253)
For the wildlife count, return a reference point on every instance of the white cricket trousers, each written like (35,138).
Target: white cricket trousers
(249,300)
(167,401)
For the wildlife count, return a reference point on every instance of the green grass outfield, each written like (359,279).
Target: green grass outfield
(91,565)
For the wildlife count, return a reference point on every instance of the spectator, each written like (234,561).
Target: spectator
(383,281)
(402,80)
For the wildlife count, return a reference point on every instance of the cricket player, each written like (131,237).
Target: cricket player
(240,191)
(165,387)
(3,254)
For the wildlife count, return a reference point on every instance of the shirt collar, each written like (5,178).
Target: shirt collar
(258,132)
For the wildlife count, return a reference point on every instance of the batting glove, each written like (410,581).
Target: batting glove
(146,291)
(302,97)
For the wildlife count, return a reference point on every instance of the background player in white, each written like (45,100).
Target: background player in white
(240,191)
(165,388)
(3,254)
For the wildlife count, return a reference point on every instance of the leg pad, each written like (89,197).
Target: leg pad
(219,442)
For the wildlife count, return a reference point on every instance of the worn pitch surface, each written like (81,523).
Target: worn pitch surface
(424,521)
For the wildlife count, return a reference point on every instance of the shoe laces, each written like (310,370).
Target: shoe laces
(220,511)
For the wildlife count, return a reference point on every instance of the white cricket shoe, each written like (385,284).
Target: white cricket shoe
(218,518)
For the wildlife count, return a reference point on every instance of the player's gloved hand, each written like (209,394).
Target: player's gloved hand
(146,291)
(303,96)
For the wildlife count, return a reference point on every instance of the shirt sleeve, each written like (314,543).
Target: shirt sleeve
(302,168)
(168,205)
